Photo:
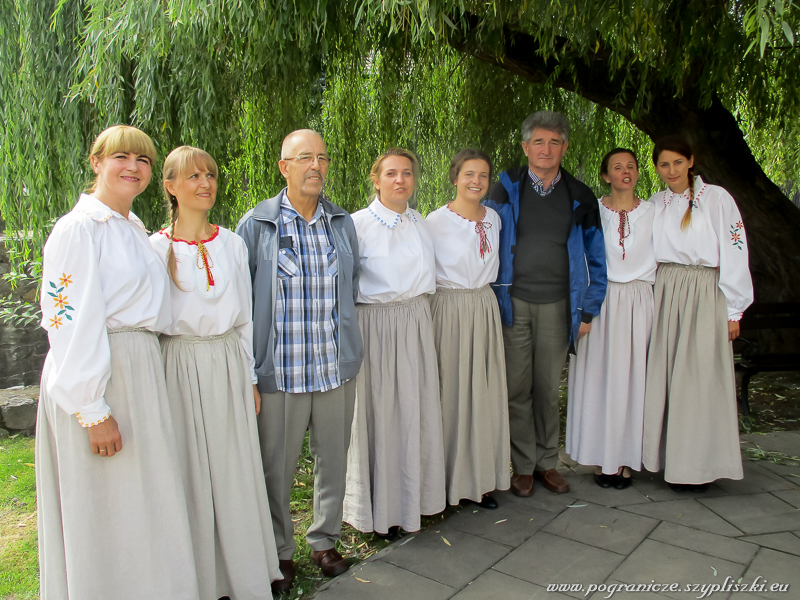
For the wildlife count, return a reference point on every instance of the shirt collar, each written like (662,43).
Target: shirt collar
(386,215)
(289,213)
(538,184)
(100,212)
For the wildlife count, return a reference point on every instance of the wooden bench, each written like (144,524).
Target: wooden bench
(751,357)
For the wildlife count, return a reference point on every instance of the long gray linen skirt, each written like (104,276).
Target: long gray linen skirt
(395,464)
(114,527)
(468,335)
(605,415)
(212,403)
(690,419)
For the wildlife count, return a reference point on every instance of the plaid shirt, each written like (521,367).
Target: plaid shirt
(306,316)
(538,184)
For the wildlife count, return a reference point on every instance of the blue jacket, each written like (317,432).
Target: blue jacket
(585,245)
(259,228)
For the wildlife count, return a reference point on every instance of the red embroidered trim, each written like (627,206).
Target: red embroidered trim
(174,239)
(484,245)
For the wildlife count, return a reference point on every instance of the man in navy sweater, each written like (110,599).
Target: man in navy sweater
(551,284)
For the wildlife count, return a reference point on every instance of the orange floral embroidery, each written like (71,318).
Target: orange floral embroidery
(65,280)
(61,301)
(56,322)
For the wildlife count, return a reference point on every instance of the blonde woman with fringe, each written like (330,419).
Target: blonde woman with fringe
(702,287)
(208,362)
(111,506)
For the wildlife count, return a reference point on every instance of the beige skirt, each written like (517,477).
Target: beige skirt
(472,383)
(211,397)
(114,527)
(691,427)
(605,413)
(395,464)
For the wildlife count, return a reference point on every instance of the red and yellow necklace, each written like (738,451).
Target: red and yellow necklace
(204,260)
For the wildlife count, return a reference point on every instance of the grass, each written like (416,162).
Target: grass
(19,561)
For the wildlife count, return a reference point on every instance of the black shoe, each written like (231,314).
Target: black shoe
(487,502)
(604,481)
(620,482)
(689,487)
(390,535)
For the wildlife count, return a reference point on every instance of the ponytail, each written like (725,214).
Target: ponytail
(686,221)
(172,262)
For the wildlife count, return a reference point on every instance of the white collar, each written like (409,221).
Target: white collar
(386,215)
(100,212)
(699,188)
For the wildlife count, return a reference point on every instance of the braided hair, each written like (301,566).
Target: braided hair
(680,145)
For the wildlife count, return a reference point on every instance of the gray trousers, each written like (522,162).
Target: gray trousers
(536,349)
(282,425)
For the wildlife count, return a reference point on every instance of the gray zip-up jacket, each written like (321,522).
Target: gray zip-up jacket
(259,229)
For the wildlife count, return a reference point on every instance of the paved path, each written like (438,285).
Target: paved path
(737,529)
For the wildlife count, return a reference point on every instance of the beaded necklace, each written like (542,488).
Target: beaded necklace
(624,227)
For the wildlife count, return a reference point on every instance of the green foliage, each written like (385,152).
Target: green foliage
(234,77)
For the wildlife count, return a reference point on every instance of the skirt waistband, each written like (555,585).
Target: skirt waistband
(130,330)
(379,305)
(671,265)
(480,290)
(199,339)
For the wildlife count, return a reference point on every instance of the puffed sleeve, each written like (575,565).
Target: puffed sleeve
(74,316)
(245,330)
(734,270)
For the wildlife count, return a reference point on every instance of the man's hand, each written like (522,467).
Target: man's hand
(105,438)
(584,329)
(733,330)
(257,398)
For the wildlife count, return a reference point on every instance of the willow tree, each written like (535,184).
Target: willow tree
(234,76)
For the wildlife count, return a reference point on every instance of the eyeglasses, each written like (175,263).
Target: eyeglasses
(307,159)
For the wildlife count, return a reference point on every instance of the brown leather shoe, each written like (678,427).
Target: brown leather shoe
(330,561)
(522,485)
(281,586)
(552,480)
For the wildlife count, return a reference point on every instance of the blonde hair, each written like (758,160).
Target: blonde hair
(177,164)
(377,166)
(121,138)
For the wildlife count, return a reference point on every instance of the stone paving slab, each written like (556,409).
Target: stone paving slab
(384,581)
(546,558)
(602,527)
(704,542)
(454,562)
(510,524)
(494,585)
(687,512)
(667,564)
(790,473)
(541,499)
(653,487)
(785,442)
(775,567)
(785,542)
(755,513)
(790,496)
(756,479)
(584,488)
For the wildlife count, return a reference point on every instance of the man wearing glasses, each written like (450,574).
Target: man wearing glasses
(307,346)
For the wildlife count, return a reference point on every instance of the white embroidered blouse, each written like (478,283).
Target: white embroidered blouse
(714,239)
(212,300)
(100,273)
(457,244)
(637,244)
(396,255)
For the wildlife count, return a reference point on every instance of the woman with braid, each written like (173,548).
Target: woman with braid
(702,287)
(208,362)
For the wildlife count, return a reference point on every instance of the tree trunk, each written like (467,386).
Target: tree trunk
(772,222)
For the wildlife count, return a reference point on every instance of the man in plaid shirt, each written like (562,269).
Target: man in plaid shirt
(307,346)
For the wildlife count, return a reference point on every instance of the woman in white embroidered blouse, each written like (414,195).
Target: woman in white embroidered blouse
(208,359)
(105,297)
(607,375)
(702,287)
(468,335)
(395,464)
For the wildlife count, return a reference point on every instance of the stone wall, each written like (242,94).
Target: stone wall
(22,349)
(18,410)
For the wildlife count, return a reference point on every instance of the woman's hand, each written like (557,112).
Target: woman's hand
(105,438)
(584,329)
(733,330)
(257,397)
